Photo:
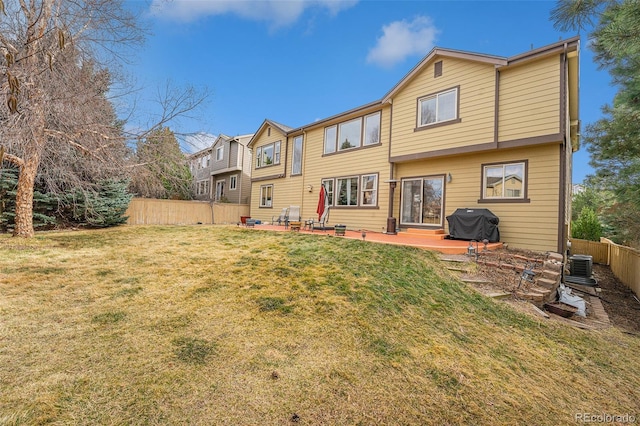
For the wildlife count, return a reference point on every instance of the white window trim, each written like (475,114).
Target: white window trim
(233,182)
(337,191)
(374,191)
(436,96)
(264,188)
(220,153)
(275,146)
(297,162)
(358,144)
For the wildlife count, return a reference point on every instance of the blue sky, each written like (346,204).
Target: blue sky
(299,61)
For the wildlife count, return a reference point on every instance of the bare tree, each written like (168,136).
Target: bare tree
(54,116)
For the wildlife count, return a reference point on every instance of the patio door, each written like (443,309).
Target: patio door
(421,201)
(219,189)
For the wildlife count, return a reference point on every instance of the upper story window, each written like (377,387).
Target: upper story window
(233,182)
(361,131)
(504,181)
(268,155)
(437,108)
(219,153)
(296,164)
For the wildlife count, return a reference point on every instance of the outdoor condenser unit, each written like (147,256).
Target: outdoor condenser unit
(581,265)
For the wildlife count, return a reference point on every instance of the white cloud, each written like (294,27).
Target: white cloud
(277,13)
(401,39)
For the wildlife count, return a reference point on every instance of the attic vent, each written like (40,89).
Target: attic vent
(581,265)
(268,131)
(437,69)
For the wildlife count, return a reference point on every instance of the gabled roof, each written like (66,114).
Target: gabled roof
(497,61)
(440,52)
(266,123)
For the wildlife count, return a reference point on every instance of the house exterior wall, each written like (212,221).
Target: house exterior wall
(509,112)
(530,100)
(531,225)
(476,83)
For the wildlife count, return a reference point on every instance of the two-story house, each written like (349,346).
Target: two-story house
(460,130)
(222,172)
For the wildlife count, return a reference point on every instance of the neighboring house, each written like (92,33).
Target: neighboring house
(222,172)
(460,130)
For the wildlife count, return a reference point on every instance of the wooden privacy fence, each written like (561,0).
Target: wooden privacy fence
(624,261)
(150,211)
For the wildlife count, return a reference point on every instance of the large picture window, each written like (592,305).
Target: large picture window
(268,155)
(438,108)
(349,134)
(266,195)
(296,164)
(504,181)
(355,133)
(347,191)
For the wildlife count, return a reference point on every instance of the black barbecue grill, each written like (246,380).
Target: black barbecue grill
(474,224)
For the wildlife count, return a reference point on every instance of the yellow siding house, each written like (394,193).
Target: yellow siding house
(460,130)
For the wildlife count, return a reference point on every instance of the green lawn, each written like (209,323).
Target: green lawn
(223,325)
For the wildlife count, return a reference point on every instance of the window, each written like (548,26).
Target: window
(330,139)
(233,182)
(266,195)
(347,191)
(208,160)
(296,165)
(369,190)
(349,134)
(276,153)
(219,153)
(438,108)
(504,181)
(202,188)
(372,129)
(268,155)
(328,187)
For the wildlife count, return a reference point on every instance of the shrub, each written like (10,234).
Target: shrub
(587,226)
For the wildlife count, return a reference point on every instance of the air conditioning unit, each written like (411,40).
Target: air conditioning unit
(581,265)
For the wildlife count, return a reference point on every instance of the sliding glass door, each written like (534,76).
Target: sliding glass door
(421,201)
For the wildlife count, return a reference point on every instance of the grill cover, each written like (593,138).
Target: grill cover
(474,224)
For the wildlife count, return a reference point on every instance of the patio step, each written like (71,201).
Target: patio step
(431,234)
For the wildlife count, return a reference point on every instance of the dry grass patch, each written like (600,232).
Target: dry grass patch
(214,325)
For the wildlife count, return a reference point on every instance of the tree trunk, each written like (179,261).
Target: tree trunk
(24,198)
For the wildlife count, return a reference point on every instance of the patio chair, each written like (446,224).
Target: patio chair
(294,214)
(283,218)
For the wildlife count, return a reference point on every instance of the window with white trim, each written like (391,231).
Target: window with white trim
(296,164)
(233,182)
(328,188)
(330,135)
(504,181)
(369,190)
(353,133)
(438,107)
(349,134)
(219,153)
(268,155)
(347,191)
(372,129)
(266,195)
